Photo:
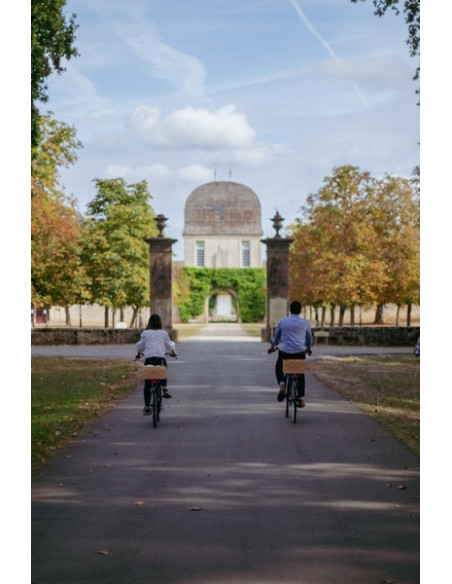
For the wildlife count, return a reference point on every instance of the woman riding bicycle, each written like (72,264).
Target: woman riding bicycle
(154,344)
(294,333)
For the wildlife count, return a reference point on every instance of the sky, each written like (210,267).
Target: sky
(273,94)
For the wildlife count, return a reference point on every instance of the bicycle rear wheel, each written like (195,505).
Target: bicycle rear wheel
(293,398)
(154,404)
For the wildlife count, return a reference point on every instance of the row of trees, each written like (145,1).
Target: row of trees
(358,244)
(100,258)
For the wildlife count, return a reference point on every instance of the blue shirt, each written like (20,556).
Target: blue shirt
(294,333)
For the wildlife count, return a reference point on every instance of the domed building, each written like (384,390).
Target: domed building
(223,227)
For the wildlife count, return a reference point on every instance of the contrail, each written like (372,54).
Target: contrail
(327,46)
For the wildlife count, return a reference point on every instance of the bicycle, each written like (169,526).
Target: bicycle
(293,369)
(155,374)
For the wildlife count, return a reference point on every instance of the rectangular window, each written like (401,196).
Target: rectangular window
(199,254)
(246,254)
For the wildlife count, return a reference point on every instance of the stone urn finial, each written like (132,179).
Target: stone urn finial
(161,223)
(277,224)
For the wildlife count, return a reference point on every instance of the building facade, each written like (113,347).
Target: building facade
(223,227)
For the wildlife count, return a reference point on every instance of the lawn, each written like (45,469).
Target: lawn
(68,393)
(386,387)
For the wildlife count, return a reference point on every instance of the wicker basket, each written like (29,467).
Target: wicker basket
(294,366)
(153,372)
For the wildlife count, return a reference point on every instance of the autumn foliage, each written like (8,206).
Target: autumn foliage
(357,243)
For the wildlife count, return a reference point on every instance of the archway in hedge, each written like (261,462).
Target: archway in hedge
(222,305)
(245,286)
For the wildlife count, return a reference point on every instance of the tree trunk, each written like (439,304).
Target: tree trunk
(316,315)
(323,315)
(134,316)
(80,316)
(68,315)
(332,315)
(379,314)
(352,315)
(121,314)
(342,309)
(106,317)
(408,315)
(397,315)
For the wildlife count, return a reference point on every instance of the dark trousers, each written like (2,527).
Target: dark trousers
(279,369)
(147,383)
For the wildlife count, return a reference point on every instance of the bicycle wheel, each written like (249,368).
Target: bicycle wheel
(287,398)
(293,398)
(154,404)
(159,401)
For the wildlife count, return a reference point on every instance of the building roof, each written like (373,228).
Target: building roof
(223,208)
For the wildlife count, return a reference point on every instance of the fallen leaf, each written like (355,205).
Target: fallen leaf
(139,503)
(102,552)
(61,485)
(402,487)
(195,508)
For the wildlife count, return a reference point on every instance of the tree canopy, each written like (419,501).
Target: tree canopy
(357,242)
(57,276)
(52,38)
(115,255)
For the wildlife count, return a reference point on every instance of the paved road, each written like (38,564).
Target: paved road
(226,490)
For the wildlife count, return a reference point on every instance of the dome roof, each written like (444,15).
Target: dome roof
(223,208)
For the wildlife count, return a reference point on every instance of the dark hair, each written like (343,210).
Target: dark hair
(154,322)
(295,307)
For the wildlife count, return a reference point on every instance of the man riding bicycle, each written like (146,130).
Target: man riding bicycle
(294,333)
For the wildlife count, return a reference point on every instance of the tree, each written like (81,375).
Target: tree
(57,276)
(52,38)
(115,254)
(357,243)
(333,242)
(395,219)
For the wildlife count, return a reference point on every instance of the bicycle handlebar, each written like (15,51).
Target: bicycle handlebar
(273,348)
(139,355)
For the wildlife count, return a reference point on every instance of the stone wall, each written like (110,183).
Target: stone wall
(84,336)
(385,336)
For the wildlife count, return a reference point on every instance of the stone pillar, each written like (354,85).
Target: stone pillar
(277,279)
(161,277)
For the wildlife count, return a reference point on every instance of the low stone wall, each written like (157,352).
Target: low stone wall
(384,336)
(370,336)
(84,336)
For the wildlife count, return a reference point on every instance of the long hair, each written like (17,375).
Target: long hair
(155,322)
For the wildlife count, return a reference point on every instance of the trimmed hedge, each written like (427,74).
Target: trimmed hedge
(248,283)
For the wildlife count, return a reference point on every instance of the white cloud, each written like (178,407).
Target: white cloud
(393,72)
(195,128)
(195,173)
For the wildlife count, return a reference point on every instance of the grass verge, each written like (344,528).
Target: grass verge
(387,387)
(68,393)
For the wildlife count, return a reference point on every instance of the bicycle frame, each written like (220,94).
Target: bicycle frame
(154,374)
(293,370)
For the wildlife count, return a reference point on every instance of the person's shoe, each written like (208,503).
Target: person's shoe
(147,410)
(166,394)
(301,402)
(282,392)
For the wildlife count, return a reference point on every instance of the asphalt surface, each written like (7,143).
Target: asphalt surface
(227,490)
